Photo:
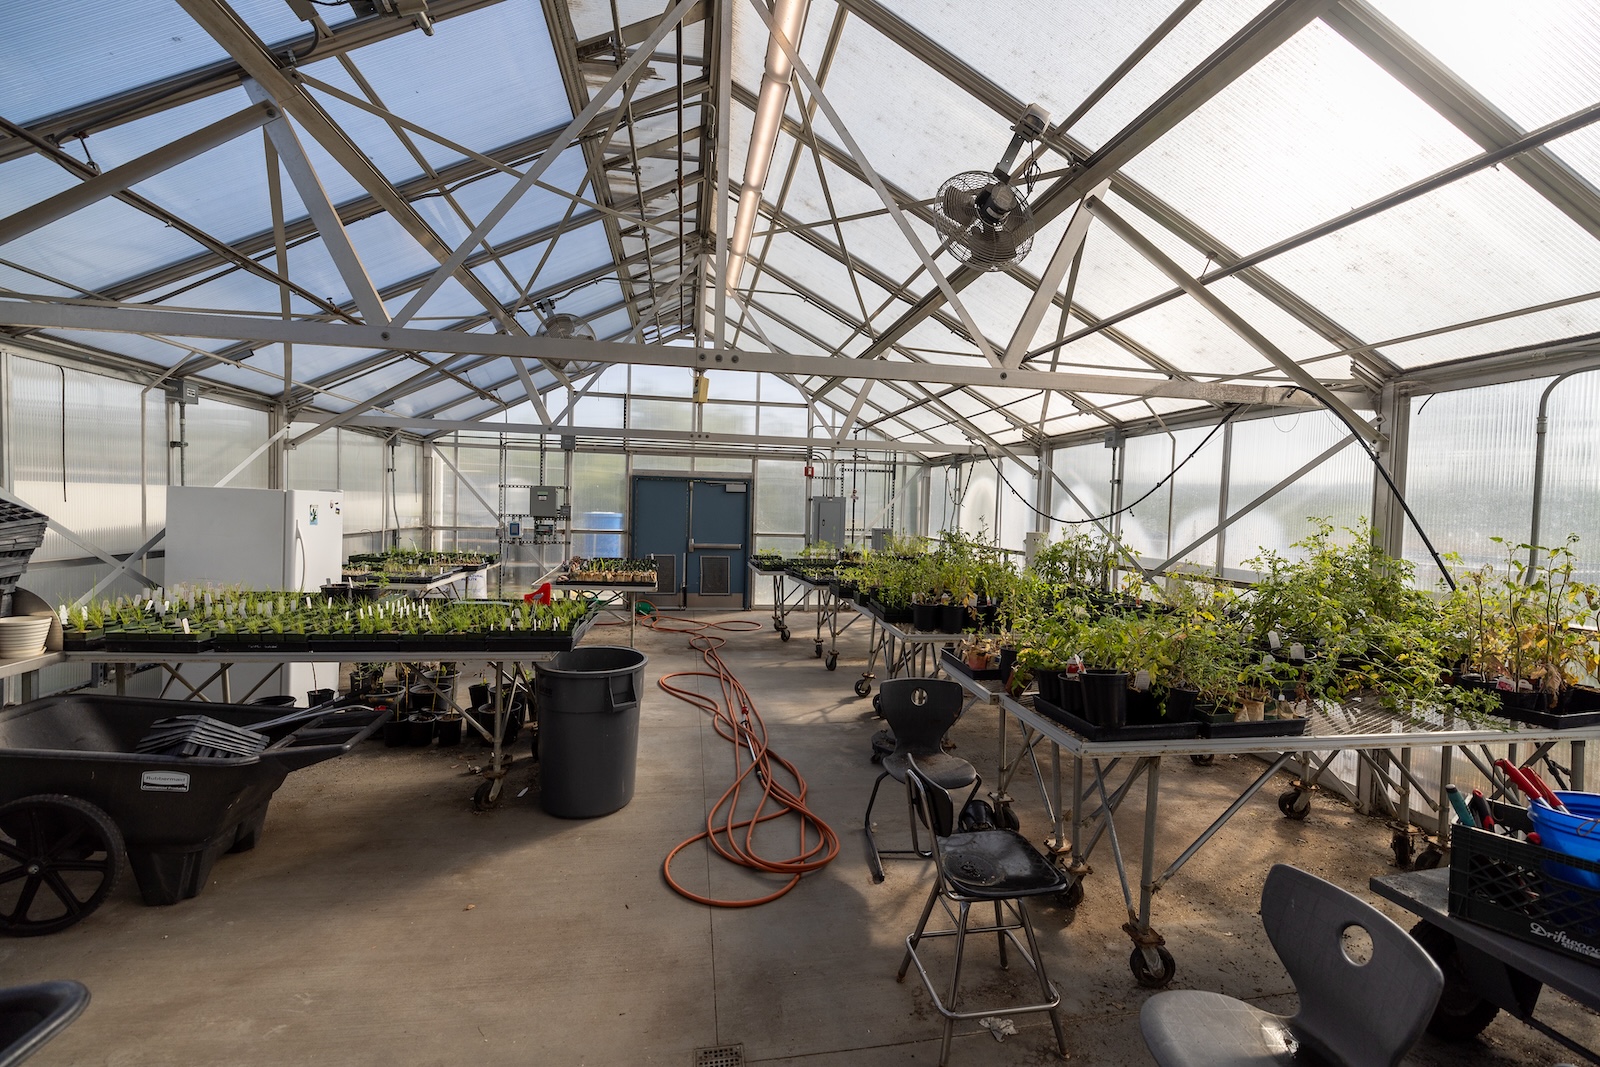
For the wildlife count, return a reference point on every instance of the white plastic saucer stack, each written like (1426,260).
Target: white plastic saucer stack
(23,635)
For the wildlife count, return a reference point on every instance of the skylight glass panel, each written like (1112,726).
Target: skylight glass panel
(1314,129)
(162,353)
(751,39)
(275,23)
(47,48)
(818,272)
(1190,337)
(1095,352)
(534,210)
(1483,245)
(1536,67)
(227,290)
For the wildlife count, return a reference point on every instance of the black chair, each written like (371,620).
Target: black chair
(997,866)
(1352,1014)
(919,712)
(30,1015)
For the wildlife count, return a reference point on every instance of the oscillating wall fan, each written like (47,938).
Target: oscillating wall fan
(983,215)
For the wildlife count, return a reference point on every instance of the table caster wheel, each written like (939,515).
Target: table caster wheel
(1203,761)
(1071,896)
(817,650)
(863,687)
(1145,976)
(1295,804)
(784,633)
(1462,1013)
(832,663)
(1400,845)
(1428,859)
(487,794)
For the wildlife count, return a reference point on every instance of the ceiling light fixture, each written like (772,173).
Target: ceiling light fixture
(789,19)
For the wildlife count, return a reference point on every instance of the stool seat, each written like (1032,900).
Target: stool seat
(952,772)
(996,864)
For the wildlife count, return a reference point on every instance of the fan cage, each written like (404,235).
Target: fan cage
(975,242)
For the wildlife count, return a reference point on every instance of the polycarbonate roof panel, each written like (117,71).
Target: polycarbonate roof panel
(153,350)
(1575,320)
(101,244)
(499,59)
(936,129)
(1201,33)
(1536,67)
(223,191)
(124,45)
(1316,117)
(1479,246)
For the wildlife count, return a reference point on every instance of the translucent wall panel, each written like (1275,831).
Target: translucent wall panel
(406,484)
(1017,490)
(1265,451)
(1470,471)
(220,437)
(314,462)
(74,443)
(361,476)
(1081,487)
(1177,513)
(977,495)
(780,498)
(599,491)
(1572,470)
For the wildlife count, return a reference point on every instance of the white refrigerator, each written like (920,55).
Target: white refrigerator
(263,539)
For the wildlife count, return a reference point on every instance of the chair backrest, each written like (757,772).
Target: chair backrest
(920,711)
(1350,1013)
(937,805)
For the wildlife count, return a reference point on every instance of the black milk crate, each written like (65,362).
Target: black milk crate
(1500,882)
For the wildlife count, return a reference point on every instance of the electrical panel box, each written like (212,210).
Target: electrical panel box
(880,538)
(827,520)
(544,502)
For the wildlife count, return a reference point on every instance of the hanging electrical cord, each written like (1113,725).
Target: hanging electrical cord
(1126,507)
(737,721)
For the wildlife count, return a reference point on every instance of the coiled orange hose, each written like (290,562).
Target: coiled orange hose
(736,720)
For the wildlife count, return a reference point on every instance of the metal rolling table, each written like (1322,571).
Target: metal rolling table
(904,651)
(27,669)
(789,595)
(1327,731)
(507,667)
(1493,966)
(610,596)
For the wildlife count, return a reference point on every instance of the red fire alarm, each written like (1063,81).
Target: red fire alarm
(811,472)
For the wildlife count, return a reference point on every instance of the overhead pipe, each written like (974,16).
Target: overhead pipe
(1540,428)
(789,18)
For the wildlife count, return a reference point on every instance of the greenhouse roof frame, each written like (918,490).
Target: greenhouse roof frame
(1349,194)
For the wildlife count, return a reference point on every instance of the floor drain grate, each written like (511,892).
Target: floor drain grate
(721,1056)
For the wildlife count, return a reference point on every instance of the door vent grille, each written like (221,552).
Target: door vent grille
(666,572)
(715,576)
(721,1056)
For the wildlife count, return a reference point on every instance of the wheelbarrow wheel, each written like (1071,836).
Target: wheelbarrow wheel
(1462,1012)
(59,860)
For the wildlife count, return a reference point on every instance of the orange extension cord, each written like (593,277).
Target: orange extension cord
(736,720)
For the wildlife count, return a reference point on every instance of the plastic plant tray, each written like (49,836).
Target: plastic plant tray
(1160,731)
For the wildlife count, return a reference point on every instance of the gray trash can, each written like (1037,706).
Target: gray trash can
(588,706)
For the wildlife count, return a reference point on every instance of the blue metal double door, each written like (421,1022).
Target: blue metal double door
(702,524)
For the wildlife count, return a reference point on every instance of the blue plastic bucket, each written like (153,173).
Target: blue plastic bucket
(1576,834)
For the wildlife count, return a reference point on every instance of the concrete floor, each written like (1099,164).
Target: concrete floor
(381,921)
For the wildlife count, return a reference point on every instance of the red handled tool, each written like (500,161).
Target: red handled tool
(1479,807)
(1519,779)
(1545,792)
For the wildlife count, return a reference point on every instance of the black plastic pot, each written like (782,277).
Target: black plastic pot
(419,730)
(448,731)
(1105,697)
(1072,693)
(1049,683)
(479,693)
(952,617)
(396,733)
(421,699)
(318,697)
(1181,702)
(925,617)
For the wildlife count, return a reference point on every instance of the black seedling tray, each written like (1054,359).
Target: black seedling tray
(1227,728)
(1161,731)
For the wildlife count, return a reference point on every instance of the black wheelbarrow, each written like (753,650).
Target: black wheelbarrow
(76,797)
